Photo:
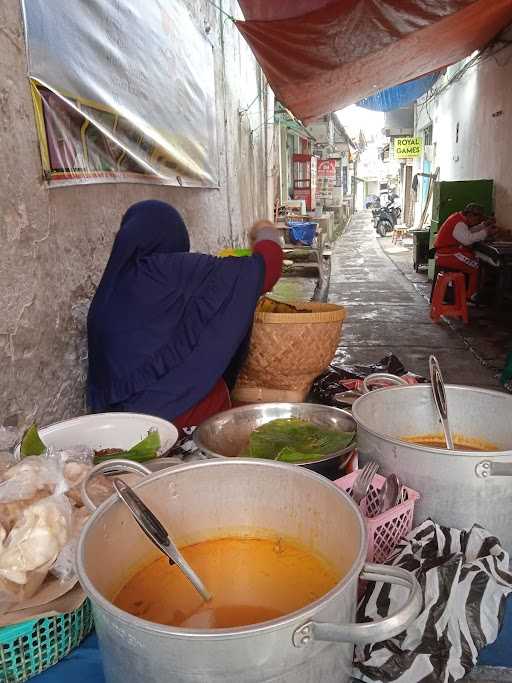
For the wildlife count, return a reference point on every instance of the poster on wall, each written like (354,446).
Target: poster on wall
(123,91)
(326,178)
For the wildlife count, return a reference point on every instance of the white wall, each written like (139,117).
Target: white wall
(481,104)
(55,242)
(372,187)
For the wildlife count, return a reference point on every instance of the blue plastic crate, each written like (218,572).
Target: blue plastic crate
(302,233)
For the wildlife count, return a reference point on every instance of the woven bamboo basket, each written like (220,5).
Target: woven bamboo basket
(287,351)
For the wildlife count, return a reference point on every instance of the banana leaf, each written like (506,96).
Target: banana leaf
(291,455)
(294,440)
(141,452)
(31,443)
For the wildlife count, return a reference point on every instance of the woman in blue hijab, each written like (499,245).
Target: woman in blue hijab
(166,325)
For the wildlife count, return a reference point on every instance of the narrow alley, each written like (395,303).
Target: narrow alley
(219,218)
(386,312)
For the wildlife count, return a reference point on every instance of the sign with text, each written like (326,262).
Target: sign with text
(326,175)
(408,148)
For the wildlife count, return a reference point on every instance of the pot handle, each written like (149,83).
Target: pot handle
(374,632)
(489,468)
(376,376)
(110,467)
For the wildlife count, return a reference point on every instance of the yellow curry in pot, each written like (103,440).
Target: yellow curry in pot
(461,443)
(251,579)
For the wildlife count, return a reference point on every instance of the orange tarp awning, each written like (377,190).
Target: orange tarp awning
(322,55)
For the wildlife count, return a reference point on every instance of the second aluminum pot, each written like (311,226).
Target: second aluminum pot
(457,488)
(217,498)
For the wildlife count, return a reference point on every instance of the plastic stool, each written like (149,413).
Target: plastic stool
(399,233)
(438,270)
(457,310)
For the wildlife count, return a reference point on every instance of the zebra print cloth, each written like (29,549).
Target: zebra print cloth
(465,581)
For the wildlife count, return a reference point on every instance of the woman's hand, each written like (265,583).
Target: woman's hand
(264,230)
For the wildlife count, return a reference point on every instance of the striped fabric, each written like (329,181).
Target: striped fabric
(465,580)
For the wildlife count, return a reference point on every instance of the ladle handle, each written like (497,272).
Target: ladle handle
(439,393)
(374,632)
(150,524)
(157,534)
(119,466)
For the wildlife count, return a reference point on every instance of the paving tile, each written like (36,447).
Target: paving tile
(405,313)
(404,334)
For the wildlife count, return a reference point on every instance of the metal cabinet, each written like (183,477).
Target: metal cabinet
(451,196)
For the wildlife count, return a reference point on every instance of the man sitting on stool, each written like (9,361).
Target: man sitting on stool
(454,239)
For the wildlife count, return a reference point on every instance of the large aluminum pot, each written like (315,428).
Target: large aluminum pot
(219,497)
(227,434)
(457,490)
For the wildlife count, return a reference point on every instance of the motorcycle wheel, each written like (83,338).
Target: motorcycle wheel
(383,228)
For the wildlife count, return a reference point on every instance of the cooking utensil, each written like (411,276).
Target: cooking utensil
(381,379)
(382,495)
(390,494)
(227,434)
(439,393)
(456,489)
(219,497)
(347,397)
(158,535)
(363,481)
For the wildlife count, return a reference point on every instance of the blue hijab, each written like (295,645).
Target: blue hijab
(164,317)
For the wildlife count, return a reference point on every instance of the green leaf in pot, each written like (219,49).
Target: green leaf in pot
(143,451)
(294,440)
(292,456)
(31,443)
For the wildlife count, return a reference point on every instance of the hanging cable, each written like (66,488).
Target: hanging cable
(265,123)
(246,109)
(493,48)
(229,16)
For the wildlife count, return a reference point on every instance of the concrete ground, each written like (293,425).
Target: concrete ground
(488,334)
(387,311)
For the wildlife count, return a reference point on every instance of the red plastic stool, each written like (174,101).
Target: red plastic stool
(457,310)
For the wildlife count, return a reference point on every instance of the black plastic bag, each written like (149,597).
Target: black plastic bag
(330,383)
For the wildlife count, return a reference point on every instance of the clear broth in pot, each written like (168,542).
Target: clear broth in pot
(251,580)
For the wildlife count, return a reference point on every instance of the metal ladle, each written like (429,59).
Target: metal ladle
(157,533)
(436,378)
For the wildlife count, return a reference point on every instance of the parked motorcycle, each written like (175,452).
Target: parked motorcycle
(386,218)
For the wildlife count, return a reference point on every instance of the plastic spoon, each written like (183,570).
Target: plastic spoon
(436,377)
(157,533)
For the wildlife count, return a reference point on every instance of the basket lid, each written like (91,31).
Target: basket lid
(317,313)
